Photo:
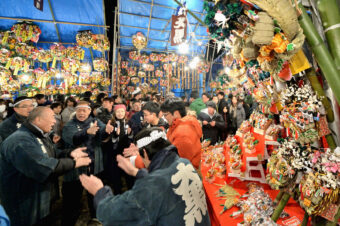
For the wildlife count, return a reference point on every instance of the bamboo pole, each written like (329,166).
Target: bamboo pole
(278,198)
(330,16)
(278,210)
(322,55)
(311,75)
(305,219)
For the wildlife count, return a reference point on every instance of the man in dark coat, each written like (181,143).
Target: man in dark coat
(170,193)
(212,122)
(22,107)
(137,122)
(82,131)
(29,167)
(105,112)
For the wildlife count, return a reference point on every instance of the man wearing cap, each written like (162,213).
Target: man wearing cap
(212,122)
(82,131)
(170,193)
(198,104)
(137,94)
(22,107)
(29,169)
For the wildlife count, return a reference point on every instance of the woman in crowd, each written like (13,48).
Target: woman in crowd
(236,114)
(69,109)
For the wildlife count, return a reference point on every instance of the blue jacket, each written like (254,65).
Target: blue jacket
(10,125)
(170,194)
(26,166)
(4,221)
(75,135)
(136,122)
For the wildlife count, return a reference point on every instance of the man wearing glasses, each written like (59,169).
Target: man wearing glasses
(22,107)
(185,131)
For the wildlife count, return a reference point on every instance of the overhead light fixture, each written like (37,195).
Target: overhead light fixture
(183,48)
(194,62)
(226,70)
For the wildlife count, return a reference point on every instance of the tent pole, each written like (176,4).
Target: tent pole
(147,36)
(51,21)
(55,24)
(114,67)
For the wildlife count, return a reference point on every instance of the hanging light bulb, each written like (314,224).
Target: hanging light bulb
(226,70)
(194,62)
(183,48)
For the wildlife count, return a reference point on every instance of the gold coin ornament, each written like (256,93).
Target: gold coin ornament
(139,41)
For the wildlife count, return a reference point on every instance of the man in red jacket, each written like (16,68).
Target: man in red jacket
(185,131)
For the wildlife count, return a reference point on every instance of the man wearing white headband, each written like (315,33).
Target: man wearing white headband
(22,107)
(82,131)
(170,193)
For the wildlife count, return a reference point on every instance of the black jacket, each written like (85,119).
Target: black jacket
(210,132)
(104,115)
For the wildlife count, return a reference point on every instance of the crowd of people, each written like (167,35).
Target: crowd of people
(145,144)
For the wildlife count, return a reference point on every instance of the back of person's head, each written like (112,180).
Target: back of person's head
(109,99)
(152,107)
(100,96)
(221,93)
(207,95)
(55,105)
(39,96)
(152,140)
(87,94)
(174,104)
(60,98)
(194,95)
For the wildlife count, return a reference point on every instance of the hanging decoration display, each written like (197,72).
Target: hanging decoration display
(25,32)
(139,41)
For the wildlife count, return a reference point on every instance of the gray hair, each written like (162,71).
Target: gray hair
(37,112)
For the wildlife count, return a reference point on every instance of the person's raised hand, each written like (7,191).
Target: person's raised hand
(109,128)
(212,123)
(131,151)
(93,129)
(205,122)
(126,165)
(91,183)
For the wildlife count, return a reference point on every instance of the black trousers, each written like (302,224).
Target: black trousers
(72,195)
(115,174)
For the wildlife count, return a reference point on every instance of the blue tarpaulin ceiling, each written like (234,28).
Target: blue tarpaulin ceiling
(153,19)
(89,12)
